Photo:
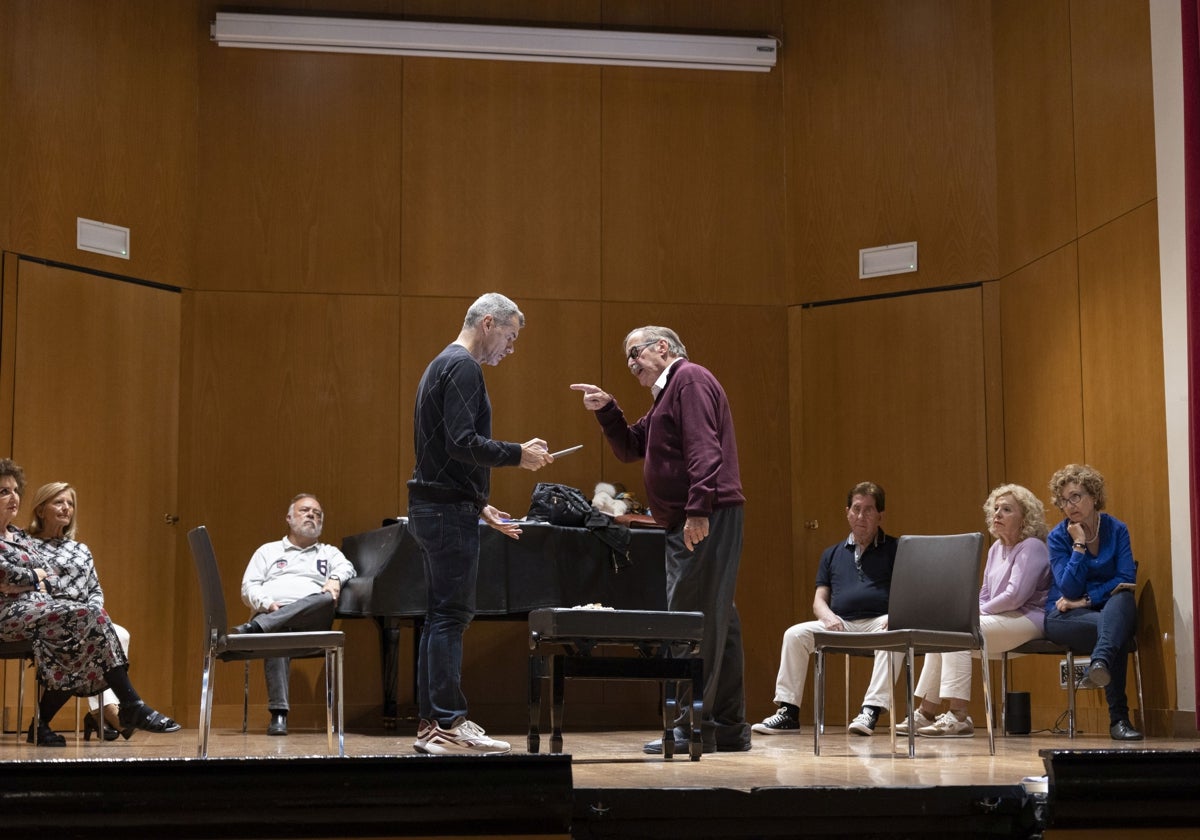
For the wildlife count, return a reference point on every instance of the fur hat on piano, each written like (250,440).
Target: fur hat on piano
(605,500)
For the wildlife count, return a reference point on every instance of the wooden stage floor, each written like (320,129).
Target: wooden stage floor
(615,758)
(603,786)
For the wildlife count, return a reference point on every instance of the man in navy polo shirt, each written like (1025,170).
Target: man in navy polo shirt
(853,583)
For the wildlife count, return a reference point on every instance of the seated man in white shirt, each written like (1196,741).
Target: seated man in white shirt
(292,585)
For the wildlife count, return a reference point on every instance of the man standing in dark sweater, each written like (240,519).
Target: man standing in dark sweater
(447,496)
(694,491)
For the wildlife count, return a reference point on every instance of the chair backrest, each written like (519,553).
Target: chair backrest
(935,584)
(210,582)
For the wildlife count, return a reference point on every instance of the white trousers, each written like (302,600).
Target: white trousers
(107,696)
(797,650)
(947,676)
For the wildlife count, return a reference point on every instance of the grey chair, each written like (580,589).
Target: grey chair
(219,645)
(933,608)
(1045,647)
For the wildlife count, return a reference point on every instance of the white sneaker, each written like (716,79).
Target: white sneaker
(948,726)
(424,730)
(920,720)
(864,723)
(463,737)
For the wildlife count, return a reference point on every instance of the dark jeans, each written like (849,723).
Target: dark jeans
(704,581)
(1105,633)
(448,534)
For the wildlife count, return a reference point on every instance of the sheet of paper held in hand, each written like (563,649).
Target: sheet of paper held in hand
(567,451)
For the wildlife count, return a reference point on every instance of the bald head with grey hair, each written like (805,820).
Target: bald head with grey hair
(651,333)
(501,308)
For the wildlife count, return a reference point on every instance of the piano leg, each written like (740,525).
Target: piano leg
(389,661)
(537,670)
(558,692)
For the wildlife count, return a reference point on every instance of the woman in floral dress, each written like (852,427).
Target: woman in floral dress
(74,646)
(54,525)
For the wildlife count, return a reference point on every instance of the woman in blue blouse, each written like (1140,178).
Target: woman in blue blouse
(1091,606)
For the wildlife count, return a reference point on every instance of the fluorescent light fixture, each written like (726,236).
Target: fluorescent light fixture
(102,238)
(503,43)
(887,259)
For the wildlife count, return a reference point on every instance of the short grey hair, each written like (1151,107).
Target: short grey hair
(649,333)
(292,504)
(495,304)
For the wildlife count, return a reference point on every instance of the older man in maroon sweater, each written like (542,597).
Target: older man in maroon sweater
(694,491)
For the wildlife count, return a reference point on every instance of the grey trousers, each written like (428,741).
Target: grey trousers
(312,613)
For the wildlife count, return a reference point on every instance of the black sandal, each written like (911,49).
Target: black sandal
(142,716)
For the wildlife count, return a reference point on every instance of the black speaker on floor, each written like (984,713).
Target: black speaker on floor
(1016,713)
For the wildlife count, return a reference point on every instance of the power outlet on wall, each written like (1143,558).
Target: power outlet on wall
(1081,669)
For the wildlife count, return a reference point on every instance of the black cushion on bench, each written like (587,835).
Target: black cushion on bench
(617,626)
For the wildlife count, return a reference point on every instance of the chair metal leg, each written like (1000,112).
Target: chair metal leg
(341,702)
(847,715)
(988,712)
(246,697)
(206,695)
(1004,694)
(892,710)
(1070,694)
(911,686)
(1137,671)
(333,700)
(330,676)
(818,700)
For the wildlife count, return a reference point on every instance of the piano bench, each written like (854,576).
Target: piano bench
(653,634)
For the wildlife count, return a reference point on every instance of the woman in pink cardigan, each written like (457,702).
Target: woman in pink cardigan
(1012,603)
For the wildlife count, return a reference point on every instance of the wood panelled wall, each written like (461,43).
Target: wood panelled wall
(1079,285)
(329,217)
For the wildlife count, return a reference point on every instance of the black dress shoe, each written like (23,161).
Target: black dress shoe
(1098,673)
(242,629)
(278,724)
(1123,730)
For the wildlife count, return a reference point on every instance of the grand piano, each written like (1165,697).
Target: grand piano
(549,566)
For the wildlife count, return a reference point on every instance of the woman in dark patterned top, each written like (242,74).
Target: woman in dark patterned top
(74,647)
(54,524)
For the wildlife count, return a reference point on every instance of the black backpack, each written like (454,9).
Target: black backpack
(559,504)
